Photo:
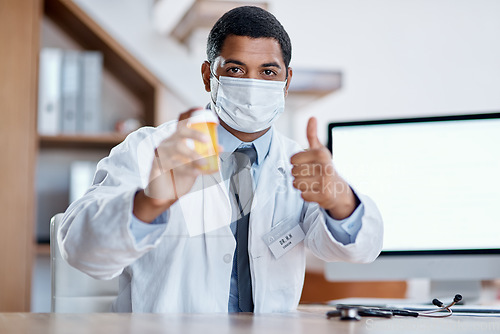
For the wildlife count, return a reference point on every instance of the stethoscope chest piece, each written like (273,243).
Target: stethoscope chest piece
(349,313)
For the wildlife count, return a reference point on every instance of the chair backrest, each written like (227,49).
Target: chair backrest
(72,290)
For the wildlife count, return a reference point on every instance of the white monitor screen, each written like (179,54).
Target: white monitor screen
(436,181)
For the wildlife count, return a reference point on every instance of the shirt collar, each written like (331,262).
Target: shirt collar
(230,143)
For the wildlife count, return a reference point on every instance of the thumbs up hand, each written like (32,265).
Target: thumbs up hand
(317,179)
(312,134)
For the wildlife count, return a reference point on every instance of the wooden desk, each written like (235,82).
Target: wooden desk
(311,321)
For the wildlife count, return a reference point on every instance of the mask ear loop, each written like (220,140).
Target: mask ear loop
(213,76)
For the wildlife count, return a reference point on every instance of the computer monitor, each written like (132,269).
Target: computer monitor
(436,182)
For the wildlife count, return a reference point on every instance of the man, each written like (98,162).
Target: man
(179,237)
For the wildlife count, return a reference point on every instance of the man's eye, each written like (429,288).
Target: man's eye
(234,70)
(269,72)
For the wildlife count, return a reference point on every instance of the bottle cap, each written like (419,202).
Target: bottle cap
(203,116)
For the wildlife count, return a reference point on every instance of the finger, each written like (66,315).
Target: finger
(184,156)
(184,117)
(187,114)
(316,156)
(186,152)
(173,154)
(187,133)
(306,170)
(312,133)
(307,185)
(303,157)
(311,196)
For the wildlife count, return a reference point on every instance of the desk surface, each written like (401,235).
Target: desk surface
(308,320)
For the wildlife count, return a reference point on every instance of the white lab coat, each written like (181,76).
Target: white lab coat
(186,265)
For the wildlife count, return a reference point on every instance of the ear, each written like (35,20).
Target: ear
(205,74)
(289,79)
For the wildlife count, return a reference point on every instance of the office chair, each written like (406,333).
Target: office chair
(72,290)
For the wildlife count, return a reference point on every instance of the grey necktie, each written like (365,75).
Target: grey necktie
(242,190)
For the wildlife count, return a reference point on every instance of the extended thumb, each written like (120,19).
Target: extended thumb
(312,133)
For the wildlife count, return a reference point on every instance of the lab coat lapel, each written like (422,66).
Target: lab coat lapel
(216,204)
(272,180)
(206,207)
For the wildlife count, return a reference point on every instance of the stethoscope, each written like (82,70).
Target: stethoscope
(355,312)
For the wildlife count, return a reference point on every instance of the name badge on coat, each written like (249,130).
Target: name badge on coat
(283,237)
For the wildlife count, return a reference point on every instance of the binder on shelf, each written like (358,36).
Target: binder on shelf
(49,91)
(70,91)
(89,120)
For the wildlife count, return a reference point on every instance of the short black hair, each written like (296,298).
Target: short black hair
(249,21)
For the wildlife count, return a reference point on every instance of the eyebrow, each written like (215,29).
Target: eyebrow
(237,62)
(271,65)
(233,61)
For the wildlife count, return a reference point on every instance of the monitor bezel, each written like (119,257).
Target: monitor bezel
(442,118)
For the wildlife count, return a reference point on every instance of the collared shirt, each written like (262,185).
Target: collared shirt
(344,231)
(230,144)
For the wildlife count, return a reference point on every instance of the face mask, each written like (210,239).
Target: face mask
(247,105)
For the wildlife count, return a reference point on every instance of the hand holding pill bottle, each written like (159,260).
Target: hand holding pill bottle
(206,122)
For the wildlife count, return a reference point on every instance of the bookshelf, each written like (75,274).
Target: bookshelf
(126,82)
(117,60)
(101,141)
(65,25)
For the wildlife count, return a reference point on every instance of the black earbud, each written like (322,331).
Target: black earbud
(437,302)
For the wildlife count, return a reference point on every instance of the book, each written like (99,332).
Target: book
(89,120)
(49,91)
(70,87)
(70,91)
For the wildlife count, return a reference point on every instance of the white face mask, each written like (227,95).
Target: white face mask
(247,105)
